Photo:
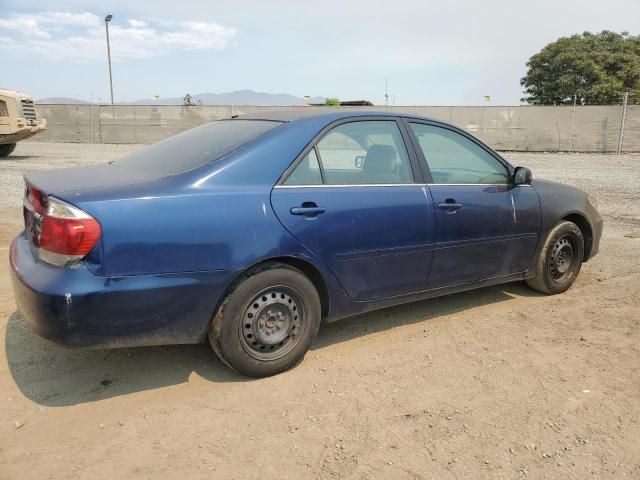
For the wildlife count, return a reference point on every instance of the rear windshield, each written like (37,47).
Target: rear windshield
(195,147)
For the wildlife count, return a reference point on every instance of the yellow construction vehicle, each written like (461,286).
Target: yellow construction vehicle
(18,120)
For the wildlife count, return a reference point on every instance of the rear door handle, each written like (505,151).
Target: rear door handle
(450,205)
(307,211)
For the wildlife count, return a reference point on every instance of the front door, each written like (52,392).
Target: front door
(353,201)
(486,227)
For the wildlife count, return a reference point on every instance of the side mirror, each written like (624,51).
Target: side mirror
(522,176)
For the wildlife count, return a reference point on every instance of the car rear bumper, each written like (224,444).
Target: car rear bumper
(74,307)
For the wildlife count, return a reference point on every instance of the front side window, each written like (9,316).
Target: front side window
(453,158)
(367,152)
(4,111)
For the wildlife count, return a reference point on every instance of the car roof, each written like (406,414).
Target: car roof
(328,114)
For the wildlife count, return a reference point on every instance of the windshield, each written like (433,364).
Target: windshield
(195,147)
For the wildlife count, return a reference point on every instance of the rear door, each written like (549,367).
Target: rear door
(355,199)
(486,227)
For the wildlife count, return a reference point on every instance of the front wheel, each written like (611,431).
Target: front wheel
(268,321)
(6,149)
(560,259)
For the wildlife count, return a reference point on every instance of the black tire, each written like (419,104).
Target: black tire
(560,259)
(6,149)
(268,321)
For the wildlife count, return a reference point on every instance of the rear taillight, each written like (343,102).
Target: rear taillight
(35,200)
(62,233)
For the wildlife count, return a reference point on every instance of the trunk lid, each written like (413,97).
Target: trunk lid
(69,184)
(70,181)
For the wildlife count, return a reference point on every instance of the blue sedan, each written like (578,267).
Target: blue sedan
(254,231)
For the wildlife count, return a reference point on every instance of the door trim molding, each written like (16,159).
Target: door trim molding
(353,185)
(346,185)
(364,254)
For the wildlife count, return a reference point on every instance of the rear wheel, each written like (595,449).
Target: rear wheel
(560,260)
(6,149)
(267,323)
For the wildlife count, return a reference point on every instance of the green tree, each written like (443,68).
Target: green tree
(597,68)
(332,102)
(187,100)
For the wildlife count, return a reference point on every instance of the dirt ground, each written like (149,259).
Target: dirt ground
(499,383)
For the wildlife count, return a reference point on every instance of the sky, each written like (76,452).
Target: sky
(431,52)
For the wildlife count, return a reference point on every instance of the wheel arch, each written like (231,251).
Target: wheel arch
(305,266)
(585,227)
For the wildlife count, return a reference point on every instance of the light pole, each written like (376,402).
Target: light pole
(573,118)
(625,99)
(107,19)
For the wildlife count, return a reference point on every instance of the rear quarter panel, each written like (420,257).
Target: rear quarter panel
(222,230)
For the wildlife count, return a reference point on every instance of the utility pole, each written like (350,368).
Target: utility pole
(91,119)
(107,19)
(625,99)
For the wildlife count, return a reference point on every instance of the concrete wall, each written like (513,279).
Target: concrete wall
(521,128)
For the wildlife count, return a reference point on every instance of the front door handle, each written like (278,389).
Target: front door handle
(450,206)
(308,209)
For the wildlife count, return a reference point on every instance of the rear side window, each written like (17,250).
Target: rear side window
(358,153)
(4,111)
(307,172)
(367,152)
(195,147)
(453,158)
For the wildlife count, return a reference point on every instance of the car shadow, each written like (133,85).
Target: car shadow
(21,157)
(51,375)
(418,312)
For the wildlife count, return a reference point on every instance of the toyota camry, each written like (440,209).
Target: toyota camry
(252,232)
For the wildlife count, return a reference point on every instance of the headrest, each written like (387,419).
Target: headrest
(380,159)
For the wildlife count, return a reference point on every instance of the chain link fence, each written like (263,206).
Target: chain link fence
(519,128)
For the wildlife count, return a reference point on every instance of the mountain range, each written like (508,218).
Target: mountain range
(238,97)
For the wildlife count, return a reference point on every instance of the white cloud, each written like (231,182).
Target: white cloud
(24,26)
(137,23)
(81,37)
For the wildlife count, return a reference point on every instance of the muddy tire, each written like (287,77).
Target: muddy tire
(560,259)
(6,149)
(268,321)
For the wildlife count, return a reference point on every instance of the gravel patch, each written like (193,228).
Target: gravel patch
(613,180)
